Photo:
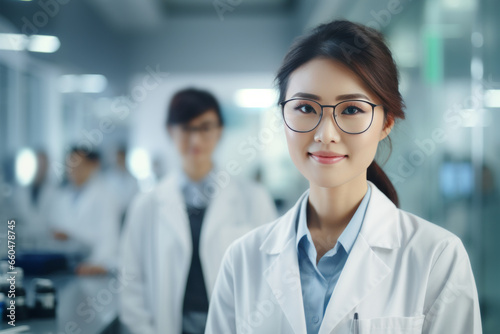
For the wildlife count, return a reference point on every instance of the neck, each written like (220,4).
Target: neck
(84,180)
(197,172)
(331,209)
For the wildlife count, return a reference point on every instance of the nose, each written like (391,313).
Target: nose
(327,130)
(195,138)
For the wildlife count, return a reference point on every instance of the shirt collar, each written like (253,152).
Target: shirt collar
(350,233)
(196,193)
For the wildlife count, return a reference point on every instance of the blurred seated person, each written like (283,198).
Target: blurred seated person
(88,214)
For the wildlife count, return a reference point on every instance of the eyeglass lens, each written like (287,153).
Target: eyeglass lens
(204,130)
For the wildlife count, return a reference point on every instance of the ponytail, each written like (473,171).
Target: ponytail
(376,175)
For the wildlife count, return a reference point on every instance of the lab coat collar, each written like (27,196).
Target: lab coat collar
(284,230)
(379,228)
(283,274)
(168,190)
(173,212)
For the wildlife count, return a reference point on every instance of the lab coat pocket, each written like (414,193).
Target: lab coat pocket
(391,325)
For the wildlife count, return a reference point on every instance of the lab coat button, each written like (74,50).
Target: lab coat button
(315,319)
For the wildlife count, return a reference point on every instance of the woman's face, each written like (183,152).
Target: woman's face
(196,140)
(327,156)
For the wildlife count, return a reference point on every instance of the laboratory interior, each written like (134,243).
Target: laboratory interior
(85,86)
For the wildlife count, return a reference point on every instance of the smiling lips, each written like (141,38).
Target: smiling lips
(325,157)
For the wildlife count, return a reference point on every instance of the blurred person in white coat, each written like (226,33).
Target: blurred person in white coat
(34,204)
(344,259)
(175,236)
(88,214)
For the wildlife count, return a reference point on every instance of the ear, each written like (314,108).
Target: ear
(169,131)
(389,124)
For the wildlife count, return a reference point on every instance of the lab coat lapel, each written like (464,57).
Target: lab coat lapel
(220,211)
(364,270)
(283,274)
(172,211)
(284,279)
(362,273)
(217,232)
(171,218)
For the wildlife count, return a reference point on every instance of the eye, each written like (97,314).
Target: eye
(305,108)
(351,110)
(205,128)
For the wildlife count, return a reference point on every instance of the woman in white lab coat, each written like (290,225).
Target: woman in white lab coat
(344,259)
(175,236)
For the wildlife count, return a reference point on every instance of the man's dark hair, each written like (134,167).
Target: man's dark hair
(88,154)
(190,103)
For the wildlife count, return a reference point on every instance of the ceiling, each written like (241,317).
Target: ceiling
(117,37)
(144,15)
(210,4)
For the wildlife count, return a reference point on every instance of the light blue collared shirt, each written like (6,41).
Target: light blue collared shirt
(318,281)
(196,194)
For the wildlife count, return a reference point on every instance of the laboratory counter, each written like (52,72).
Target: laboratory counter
(84,305)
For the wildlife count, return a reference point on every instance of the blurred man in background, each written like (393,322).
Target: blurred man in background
(176,235)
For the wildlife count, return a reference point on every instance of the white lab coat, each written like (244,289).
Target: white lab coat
(157,248)
(92,221)
(403,275)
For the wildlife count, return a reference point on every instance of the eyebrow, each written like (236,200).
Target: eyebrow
(307,96)
(339,97)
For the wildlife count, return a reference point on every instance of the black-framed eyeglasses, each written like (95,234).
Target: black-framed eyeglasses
(351,116)
(204,129)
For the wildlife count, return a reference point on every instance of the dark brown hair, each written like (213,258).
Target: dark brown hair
(190,103)
(86,153)
(364,51)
